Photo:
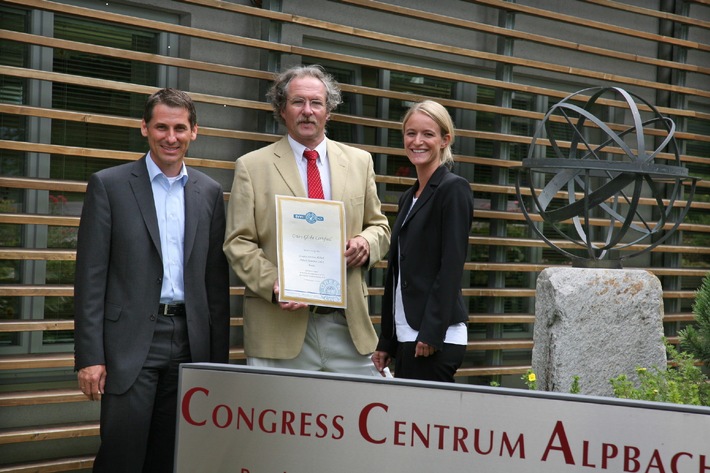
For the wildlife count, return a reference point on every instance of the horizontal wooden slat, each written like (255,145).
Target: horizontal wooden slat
(34,290)
(599,222)
(143,57)
(501,319)
(113,120)
(57,290)
(76,186)
(38,361)
(58,396)
(24,254)
(42,184)
(653,13)
(47,396)
(10,326)
(102,153)
(535,243)
(500,344)
(63,290)
(51,466)
(682,317)
(64,360)
(13,326)
(49,432)
(532,267)
(36,219)
(492,371)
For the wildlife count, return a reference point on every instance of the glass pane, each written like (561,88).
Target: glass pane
(12,163)
(402,82)
(97,100)
(90,100)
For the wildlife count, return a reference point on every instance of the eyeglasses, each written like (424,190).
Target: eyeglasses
(315,104)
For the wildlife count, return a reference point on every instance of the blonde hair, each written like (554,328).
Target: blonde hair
(441,117)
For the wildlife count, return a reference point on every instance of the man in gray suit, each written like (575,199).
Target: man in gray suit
(151,290)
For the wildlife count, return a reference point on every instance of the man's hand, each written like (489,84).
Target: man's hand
(357,252)
(92,380)
(290,306)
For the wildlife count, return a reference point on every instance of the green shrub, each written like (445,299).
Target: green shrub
(681,383)
(695,339)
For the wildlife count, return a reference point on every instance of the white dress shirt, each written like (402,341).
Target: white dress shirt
(322,163)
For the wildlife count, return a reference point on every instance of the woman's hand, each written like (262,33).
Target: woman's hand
(423,350)
(381,359)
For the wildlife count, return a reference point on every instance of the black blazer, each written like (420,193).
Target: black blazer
(119,272)
(429,248)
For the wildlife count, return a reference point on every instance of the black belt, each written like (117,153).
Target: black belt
(320,310)
(172,310)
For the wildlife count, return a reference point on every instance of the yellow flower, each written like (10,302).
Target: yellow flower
(531,377)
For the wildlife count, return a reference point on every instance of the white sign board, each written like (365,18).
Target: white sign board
(248,420)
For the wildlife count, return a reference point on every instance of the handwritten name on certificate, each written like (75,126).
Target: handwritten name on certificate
(311,247)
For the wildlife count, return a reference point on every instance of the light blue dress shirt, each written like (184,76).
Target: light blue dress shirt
(169,197)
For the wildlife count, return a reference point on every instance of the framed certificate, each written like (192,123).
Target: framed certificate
(311,247)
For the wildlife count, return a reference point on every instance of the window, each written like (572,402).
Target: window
(63,96)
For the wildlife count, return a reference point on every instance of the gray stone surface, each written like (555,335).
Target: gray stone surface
(596,324)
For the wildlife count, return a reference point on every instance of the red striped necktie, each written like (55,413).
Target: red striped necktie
(315,188)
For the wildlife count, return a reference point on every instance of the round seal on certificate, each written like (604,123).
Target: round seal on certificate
(330,290)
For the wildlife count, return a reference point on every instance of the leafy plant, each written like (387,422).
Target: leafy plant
(681,383)
(695,339)
(530,380)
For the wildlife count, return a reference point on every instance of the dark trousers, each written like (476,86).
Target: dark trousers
(441,366)
(138,427)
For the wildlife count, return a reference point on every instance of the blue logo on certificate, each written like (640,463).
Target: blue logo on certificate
(310,217)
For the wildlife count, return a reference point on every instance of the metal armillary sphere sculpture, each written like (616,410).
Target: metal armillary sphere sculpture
(603,171)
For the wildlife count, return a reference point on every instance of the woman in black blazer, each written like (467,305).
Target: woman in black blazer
(423,313)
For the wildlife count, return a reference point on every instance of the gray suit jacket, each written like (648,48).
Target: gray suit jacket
(119,273)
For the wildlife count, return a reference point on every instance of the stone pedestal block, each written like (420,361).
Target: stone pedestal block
(596,324)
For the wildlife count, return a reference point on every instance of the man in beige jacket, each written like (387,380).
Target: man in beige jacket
(291,334)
